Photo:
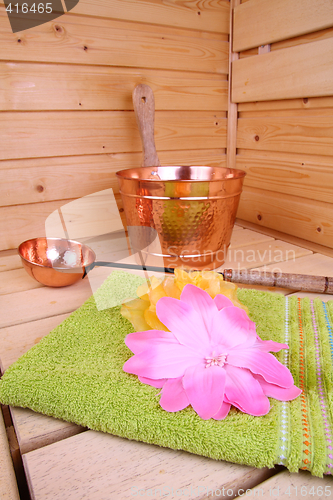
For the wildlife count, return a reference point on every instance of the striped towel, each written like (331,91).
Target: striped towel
(75,373)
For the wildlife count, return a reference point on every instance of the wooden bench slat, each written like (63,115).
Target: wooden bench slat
(118,468)
(8,485)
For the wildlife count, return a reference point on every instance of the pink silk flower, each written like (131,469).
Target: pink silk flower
(211,358)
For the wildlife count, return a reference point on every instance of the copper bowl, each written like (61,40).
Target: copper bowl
(192,210)
(55,262)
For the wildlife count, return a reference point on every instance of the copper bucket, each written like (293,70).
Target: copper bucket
(191,210)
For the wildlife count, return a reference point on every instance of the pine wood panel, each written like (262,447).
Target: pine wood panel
(22,222)
(206,15)
(303,39)
(302,71)
(307,219)
(80,40)
(307,176)
(260,22)
(232,107)
(291,42)
(311,135)
(47,179)
(118,468)
(29,86)
(306,103)
(40,134)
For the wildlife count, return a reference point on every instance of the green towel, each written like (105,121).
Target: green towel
(75,374)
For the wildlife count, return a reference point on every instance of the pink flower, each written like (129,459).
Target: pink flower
(211,357)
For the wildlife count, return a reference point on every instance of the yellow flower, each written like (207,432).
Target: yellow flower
(141,312)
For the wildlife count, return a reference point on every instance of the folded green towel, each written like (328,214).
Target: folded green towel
(75,373)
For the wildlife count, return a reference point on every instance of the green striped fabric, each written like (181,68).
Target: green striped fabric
(75,373)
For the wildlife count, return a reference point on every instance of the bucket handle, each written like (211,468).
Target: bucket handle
(144,107)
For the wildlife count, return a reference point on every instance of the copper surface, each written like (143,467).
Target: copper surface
(55,262)
(191,208)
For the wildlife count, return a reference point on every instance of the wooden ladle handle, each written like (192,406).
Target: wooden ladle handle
(144,107)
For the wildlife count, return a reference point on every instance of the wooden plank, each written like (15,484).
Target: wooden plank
(315,264)
(8,485)
(314,247)
(42,303)
(260,254)
(292,42)
(80,40)
(303,39)
(16,280)
(41,134)
(305,103)
(17,340)
(309,176)
(302,71)
(290,486)
(9,259)
(292,114)
(261,22)
(20,222)
(232,107)
(311,135)
(34,430)
(205,16)
(46,179)
(28,86)
(127,468)
(246,237)
(307,219)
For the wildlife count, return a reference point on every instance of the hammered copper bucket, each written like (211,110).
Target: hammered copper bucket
(177,215)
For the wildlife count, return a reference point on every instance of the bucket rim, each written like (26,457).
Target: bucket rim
(128,173)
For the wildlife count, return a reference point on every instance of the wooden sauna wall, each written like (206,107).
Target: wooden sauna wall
(66,117)
(285,115)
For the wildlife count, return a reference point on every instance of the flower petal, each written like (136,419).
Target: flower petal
(158,383)
(261,363)
(200,301)
(162,361)
(140,341)
(277,392)
(174,397)
(185,322)
(245,392)
(269,345)
(205,389)
(221,301)
(231,328)
(223,411)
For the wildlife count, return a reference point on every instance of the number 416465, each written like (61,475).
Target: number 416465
(35,8)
